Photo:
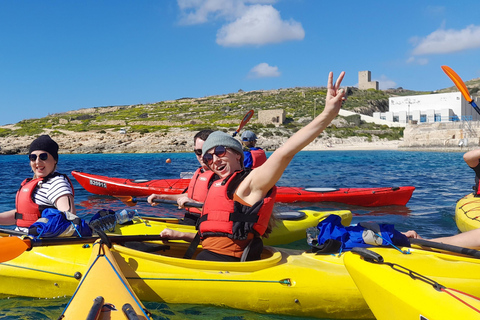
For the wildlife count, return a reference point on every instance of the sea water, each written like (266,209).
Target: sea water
(440,180)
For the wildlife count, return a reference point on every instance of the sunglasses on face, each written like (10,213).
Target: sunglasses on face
(219,151)
(198,152)
(41,156)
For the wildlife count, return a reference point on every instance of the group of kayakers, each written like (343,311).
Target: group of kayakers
(235,183)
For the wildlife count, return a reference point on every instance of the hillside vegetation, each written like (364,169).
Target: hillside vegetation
(224,112)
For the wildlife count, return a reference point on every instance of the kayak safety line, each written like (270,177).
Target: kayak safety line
(287,281)
(101,254)
(38,270)
(394,246)
(376,258)
(459,299)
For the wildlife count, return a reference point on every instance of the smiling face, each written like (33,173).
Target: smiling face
(226,164)
(198,146)
(42,168)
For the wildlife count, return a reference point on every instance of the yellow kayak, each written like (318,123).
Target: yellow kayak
(467,213)
(412,289)
(284,281)
(104,292)
(284,232)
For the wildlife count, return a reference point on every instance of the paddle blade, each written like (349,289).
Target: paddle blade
(458,82)
(127,200)
(12,247)
(245,120)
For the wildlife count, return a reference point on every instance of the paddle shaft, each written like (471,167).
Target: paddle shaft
(446,247)
(186,204)
(245,120)
(43,242)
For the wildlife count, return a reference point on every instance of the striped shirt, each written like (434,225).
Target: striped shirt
(48,192)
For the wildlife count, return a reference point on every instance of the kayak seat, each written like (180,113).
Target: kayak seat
(253,251)
(146,247)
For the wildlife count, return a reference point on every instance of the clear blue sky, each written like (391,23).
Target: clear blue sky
(64,55)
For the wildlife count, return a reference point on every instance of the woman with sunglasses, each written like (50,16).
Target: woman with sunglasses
(47,188)
(238,206)
(198,187)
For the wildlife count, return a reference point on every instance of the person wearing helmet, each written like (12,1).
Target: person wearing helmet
(254,157)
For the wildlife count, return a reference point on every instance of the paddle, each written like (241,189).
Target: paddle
(12,247)
(446,247)
(461,86)
(132,201)
(245,119)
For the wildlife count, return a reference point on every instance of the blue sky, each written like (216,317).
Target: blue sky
(63,55)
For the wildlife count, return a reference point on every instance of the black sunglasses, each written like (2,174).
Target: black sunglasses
(198,152)
(219,151)
(33,157)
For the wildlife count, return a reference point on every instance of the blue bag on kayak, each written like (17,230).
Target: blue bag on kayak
(55,223)
(334,237)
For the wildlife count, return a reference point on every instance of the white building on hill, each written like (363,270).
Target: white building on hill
(439,107)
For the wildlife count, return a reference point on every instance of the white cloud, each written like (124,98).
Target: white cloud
(444,41)
(202,11)
(419,61)
(385,83)
(263,70)
(247,22)
(259,25)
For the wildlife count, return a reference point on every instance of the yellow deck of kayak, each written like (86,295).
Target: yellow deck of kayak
(467,213)
(284,232)
(287,282)
(392,295)
(104,279)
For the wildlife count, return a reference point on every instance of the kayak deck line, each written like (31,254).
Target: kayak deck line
(77,274)
(287,282)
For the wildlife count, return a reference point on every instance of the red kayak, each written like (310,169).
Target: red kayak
(366,197)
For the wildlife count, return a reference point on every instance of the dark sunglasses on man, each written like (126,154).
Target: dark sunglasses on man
(33,157)
(198,152)
(219,151)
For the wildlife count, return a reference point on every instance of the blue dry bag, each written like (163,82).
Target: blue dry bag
(334,237)
(55,223)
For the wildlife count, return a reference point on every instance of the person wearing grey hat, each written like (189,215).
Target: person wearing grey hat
(47,188)
(254,157)
(239,205)
(198,187)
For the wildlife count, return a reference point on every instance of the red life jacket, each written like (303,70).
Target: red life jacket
(222,216)
(27,211)
(198,188)
(258,157)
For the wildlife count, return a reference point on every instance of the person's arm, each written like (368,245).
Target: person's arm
(7,218)
(66,203)
(470,239)
(261,180)
(170,234)
(163,197)
(472,158)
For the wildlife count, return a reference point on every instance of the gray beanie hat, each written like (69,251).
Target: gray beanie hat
(220,138)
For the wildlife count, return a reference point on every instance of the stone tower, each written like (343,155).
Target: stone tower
(364,81)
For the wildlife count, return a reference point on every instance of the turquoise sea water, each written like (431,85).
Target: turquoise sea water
(440,180)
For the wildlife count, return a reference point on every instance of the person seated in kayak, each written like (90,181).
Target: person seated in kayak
(469,239)
(472,159)
(239,205)
(254,156)
(47,188)
(198,187)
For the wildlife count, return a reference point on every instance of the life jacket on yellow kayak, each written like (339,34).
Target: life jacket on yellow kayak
(27,211)
(222,216)
(198,188)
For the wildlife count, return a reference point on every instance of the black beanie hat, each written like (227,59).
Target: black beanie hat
(45,143)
